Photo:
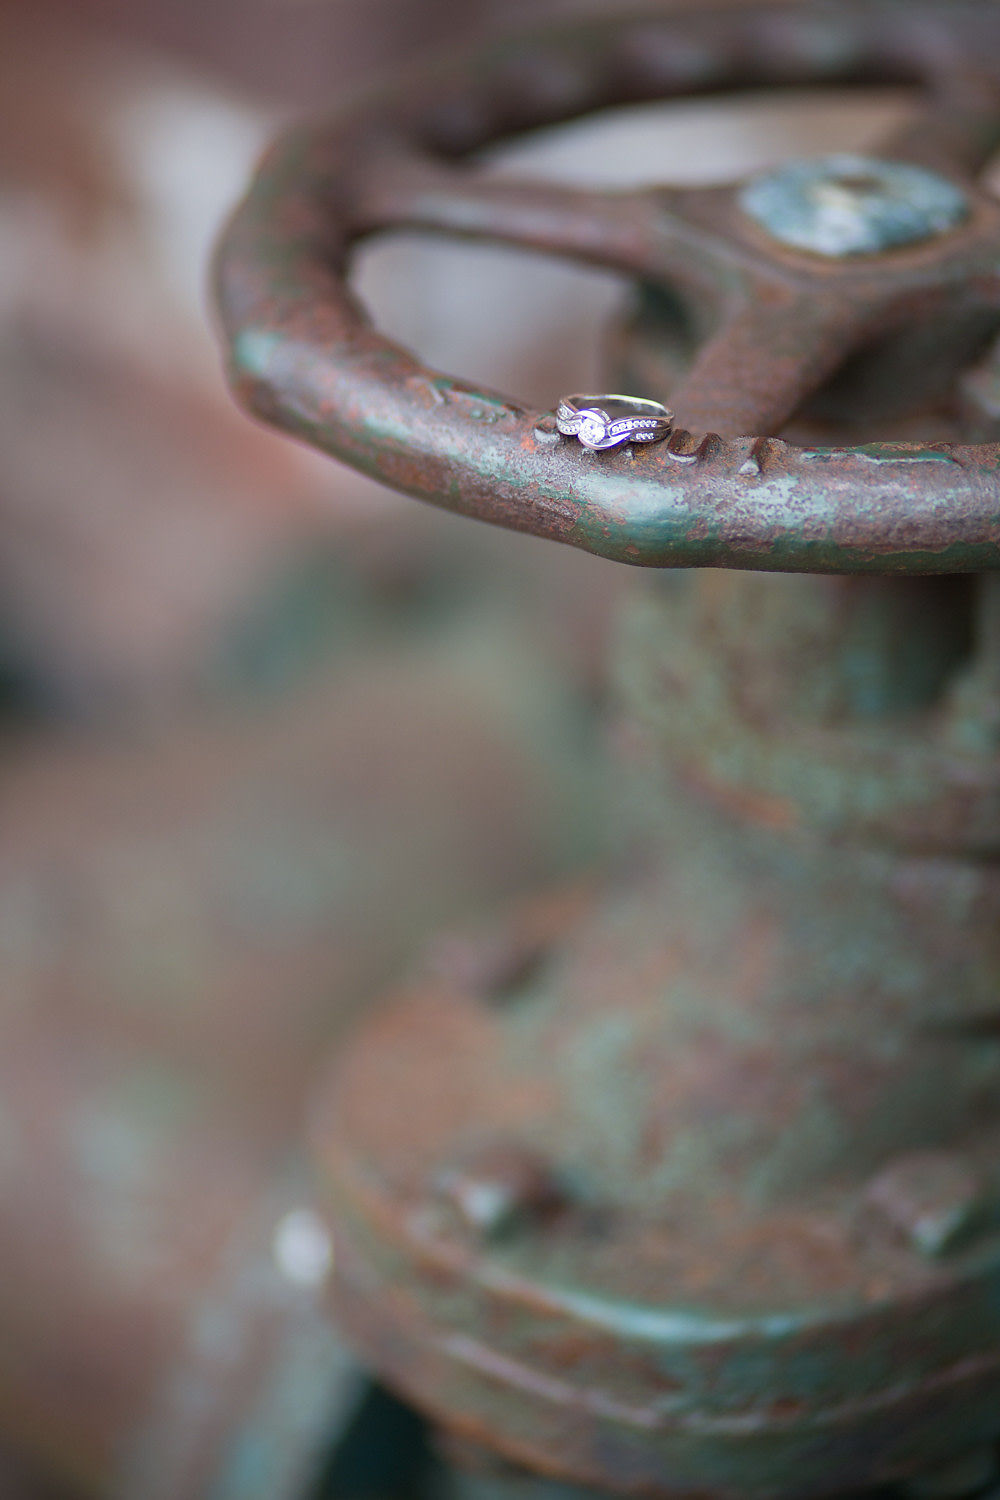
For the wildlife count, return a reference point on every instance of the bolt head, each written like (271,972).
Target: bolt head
(498,1188)
(935,1200)
(853,205)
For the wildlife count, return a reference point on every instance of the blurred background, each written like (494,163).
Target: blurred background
(266,728)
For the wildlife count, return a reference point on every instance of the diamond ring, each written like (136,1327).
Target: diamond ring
(606,421)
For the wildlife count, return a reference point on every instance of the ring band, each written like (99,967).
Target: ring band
(605,421)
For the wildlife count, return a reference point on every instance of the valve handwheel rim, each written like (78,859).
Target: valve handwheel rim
(726,490)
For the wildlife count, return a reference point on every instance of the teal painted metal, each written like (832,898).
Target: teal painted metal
(760,1078)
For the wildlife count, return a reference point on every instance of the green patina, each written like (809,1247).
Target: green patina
(759,1053)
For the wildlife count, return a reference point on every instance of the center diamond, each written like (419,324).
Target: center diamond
(593,430)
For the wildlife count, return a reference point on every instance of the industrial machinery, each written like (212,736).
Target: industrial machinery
(691,1184)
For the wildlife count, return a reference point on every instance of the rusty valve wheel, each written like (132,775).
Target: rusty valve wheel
(700,1193)
(794,252)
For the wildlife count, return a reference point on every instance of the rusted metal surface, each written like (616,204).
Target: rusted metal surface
(699,1193)
(304,355)
(758,1080)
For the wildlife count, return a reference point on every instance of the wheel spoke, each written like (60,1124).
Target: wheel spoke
(956,131)
(766,360)
(626,230)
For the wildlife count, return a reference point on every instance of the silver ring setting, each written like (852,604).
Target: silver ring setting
(601,422)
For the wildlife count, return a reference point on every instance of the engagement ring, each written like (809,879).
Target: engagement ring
(606,421)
